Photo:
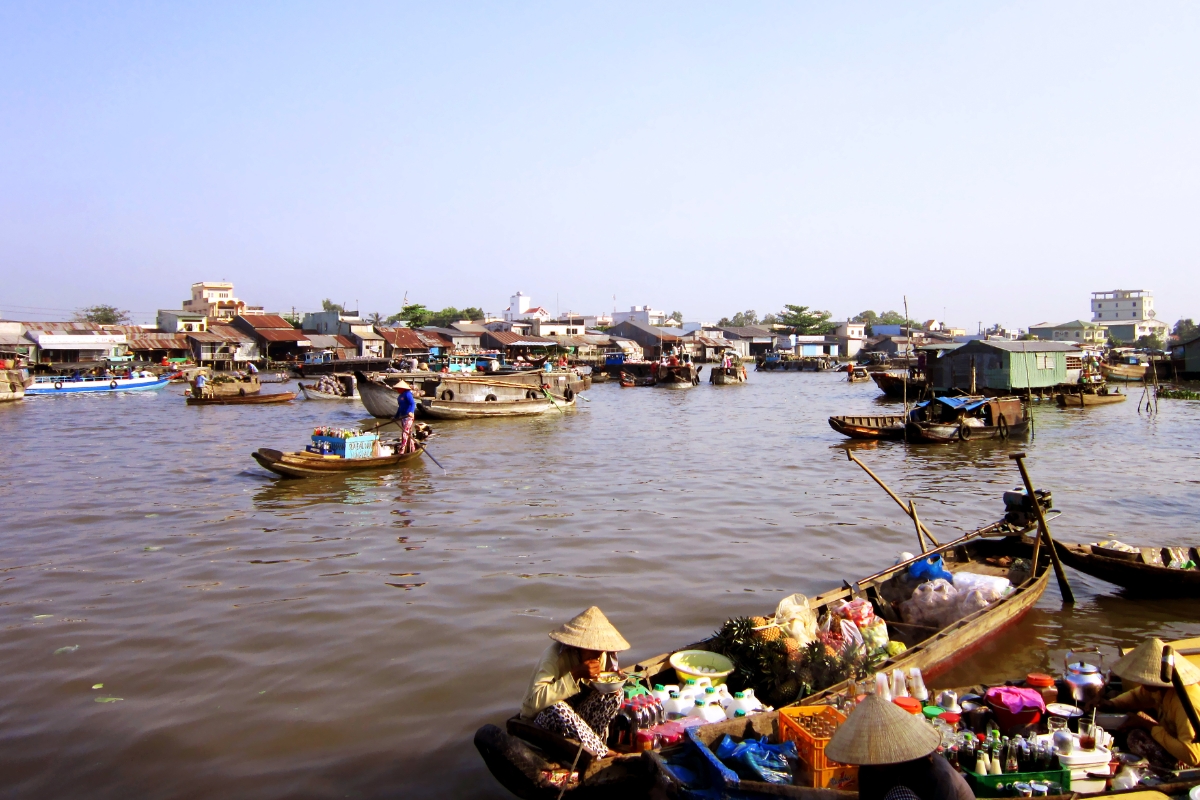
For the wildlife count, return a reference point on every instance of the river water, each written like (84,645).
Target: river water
(345,637)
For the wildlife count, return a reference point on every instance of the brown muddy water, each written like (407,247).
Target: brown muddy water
(346,637)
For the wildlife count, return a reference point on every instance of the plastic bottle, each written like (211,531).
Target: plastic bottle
(675,706)
(899,688)
(697,709)
(917,682)
(881,686)
(690,689)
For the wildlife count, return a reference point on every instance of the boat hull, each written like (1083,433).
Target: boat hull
(88,386)
(308,465)
(455,409)
(678,376)
(1147,580)
(889,426)
(946,433)
(234,388)
(1085,400)
(381,400)
(12,385)
(727,376)
(1124,372)
(897,385)
(244,400)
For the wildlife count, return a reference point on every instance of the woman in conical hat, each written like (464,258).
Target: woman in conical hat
(896,755)
(1159,728)
(556,700)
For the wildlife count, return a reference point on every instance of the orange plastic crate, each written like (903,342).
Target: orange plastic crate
(826,774)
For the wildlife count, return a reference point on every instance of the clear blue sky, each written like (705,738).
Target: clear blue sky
(996,160)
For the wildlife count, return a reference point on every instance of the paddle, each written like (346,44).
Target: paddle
(426,452)
(1044,533)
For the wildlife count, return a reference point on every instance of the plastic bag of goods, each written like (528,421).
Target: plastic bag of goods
(859,611)
(757,759)
(931,604)
(970,602)
(929,569)
(993,587)
(875,636)
(839,635)
(797,619)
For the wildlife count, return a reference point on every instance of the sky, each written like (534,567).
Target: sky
(991,162)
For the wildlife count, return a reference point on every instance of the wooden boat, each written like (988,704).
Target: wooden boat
(955,419)
(520,758)
(1084,399)
(1144,573)
(244,400)
(380,399)
(349,386)
(302,464)
(887,426)
(858,375)
(1124,372)
(893,385)
(229,386)
(274,377)
(676,376)
(537,403)
(725,376)
(12,385)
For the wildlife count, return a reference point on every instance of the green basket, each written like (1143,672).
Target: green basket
(990,785)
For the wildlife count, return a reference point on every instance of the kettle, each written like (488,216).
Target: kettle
(1081,677)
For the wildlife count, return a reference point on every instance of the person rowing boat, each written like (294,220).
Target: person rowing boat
(406,409)
(558,701)
(896,755)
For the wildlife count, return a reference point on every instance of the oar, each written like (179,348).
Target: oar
(434,460)
(546,392)
(1064,588)
(911,512)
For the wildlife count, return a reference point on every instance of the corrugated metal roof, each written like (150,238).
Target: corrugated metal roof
(280,335)
(13,338)
(510,339)
(260,321)
(409,339)
(746,331)
(205,336)
(1024,347)
(228,333)
(159,342)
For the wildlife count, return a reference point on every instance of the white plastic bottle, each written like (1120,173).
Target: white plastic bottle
(916,682)
(881,686)
(676,706)
(899,689)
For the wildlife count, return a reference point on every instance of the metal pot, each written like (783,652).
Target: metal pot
(1082,677)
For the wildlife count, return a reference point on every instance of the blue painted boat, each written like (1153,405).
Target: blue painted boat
(58,384)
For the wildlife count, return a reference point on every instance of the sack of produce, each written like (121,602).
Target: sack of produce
(932,603)
(969,603)
(797,619)
(992,585)
(875,636)
(839,635)
(859,611)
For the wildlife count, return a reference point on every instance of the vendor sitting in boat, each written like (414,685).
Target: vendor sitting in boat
(557,700)
(896,755)
(1164,735)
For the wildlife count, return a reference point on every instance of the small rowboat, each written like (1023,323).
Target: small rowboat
(724,376)
(244,400)
(858,375)
(1085,399)
(521,758)
(303,464)
(1144,573)
(887,426)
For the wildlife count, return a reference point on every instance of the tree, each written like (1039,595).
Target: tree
(676,315)
(1151,342)
(415,314)
(741,319)
(805,322)
(329,305)
(375,318)
(892,318)
(768,319)
(102,315)
(1184,330)
(867,318)
(449,314)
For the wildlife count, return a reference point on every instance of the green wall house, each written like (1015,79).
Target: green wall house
(1004,366)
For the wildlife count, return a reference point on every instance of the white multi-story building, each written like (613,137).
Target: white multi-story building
(520,306)
(643,314)
(215,299)
(1122,305)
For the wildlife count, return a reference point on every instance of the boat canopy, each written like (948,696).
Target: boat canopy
(956,403)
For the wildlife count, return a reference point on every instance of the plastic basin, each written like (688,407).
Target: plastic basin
(692,663)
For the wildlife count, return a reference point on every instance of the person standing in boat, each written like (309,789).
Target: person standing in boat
(406,410)
(896,755)
(200,384)
(557,700)
(1164,735)
(251,370)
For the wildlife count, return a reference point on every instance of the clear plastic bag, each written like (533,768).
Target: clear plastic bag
(796,618)
(756,759)
(933,603)
(859,611)
(993,586)
(875,636)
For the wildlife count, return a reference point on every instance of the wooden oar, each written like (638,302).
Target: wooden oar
(1044,532)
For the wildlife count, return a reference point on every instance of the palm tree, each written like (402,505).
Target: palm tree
(375,318)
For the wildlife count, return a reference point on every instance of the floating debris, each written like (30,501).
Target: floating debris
(71,648)
(109,699)
(153,548)
(98,686)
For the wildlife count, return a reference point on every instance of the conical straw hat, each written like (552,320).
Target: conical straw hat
(591,630)
(880,732)
(1143,665)
(398,385)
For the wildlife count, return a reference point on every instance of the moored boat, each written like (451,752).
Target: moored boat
(676,376)
(884,426)
(224,385)
(1084,399)
(896,386)
(725,376)
(243,400)
(58,384)
(1144,571)
(379,398)
(12,385)
(336,386)
(1130,371)
(954,419)
(536,403)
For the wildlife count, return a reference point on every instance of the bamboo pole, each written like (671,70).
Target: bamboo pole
(911,513)
(1044,531)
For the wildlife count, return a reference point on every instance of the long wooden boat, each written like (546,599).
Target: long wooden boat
(302,464)
(893,385)
(959,419)
(677,376)
(1124,372)
(1144,573)
(380,399)
(519,757)
(538,403)
(244,400)
(885,426)
(229,387)
(725,376)
(1101,397)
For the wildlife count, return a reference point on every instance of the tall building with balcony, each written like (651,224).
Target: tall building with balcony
(215,299)
(1127,314)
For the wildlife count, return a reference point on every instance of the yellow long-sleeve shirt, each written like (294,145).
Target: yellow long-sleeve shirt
(1174,730)
(552,680)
